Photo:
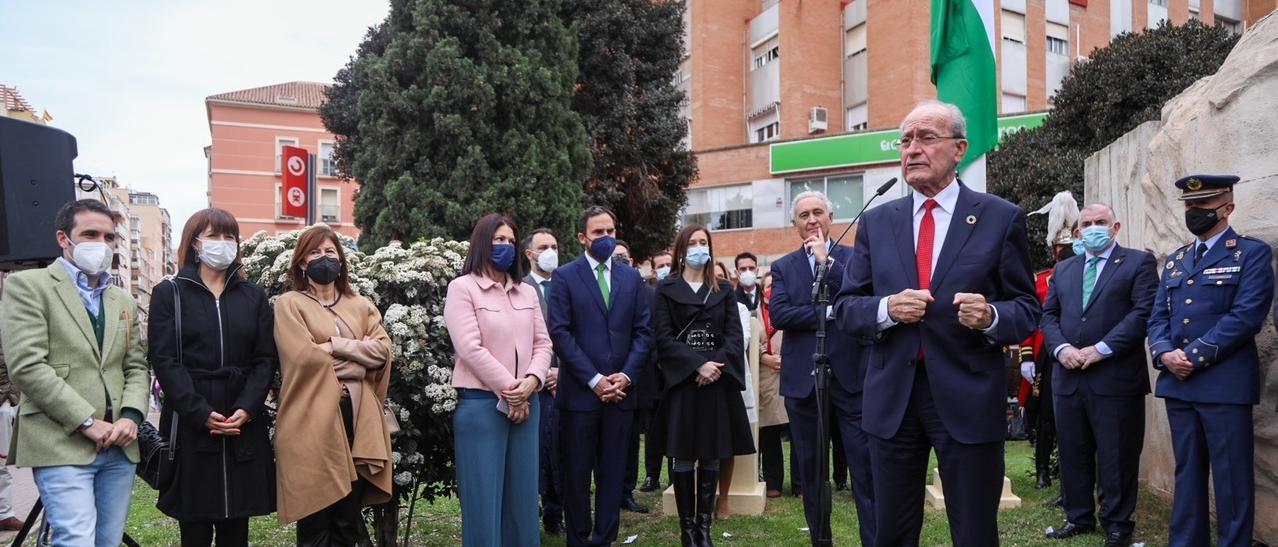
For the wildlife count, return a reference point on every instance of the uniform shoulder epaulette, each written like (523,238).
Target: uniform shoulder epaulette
(1257,240)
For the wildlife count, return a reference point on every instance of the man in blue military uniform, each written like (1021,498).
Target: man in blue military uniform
(1211,303)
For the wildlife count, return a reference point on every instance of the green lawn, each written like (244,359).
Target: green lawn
(440,523)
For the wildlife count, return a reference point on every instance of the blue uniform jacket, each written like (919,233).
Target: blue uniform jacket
(1213,311)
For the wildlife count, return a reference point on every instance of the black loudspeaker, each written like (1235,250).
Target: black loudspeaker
(36,179)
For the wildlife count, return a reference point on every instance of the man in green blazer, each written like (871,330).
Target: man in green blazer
(74,350)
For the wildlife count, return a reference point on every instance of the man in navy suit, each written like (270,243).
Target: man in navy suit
(1098,304)
(1212,301)
(941,280)
(598,320)
(541,248)
(793,312)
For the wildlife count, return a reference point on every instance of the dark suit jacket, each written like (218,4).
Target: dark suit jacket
(985,252)
(751,301)
(1117,315)
(793,312)
(590,338)
(541,299)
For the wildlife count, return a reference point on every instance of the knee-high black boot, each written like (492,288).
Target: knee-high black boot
(707,487)
(685,490)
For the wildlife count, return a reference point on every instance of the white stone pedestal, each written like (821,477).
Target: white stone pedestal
(935,495)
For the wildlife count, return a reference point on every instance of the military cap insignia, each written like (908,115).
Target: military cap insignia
(1194,185)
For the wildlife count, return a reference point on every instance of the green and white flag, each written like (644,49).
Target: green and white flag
(965,74)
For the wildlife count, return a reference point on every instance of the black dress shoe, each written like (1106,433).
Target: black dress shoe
(1044,480)
(1069,531)
(553,527)
(650,484)
(628,503)
(1118,539)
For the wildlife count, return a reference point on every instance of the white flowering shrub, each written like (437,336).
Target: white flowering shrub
(408,284)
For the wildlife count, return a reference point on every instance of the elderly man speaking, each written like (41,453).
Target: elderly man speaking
(941,280)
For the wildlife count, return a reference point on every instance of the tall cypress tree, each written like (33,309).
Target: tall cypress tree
(629,52)
(461,108)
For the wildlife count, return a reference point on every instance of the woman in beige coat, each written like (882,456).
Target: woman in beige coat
(773,421)
(332,444)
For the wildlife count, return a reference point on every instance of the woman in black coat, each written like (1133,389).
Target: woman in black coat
(217,388)
(699,339)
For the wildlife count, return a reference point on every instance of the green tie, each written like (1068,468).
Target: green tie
(1089,279)
(603,284)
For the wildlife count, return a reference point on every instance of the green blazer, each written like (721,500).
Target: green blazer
(55,363)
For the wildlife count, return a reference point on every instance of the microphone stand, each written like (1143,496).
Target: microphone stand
(821,370)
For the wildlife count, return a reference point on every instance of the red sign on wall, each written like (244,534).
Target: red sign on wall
(295,162)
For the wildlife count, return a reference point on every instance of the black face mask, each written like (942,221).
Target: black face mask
(324,270)
(1201,220)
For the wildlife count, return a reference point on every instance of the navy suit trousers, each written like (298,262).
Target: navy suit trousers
(847,416)
(972,477)
(595,446)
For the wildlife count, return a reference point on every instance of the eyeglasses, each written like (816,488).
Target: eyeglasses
(925,140)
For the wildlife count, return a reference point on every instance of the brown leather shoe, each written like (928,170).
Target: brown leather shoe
(11,524)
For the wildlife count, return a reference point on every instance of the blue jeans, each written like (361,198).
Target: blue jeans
(87,504)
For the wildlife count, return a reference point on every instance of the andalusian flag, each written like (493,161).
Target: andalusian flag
(965,74)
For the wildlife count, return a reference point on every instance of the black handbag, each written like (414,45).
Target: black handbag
(159,455)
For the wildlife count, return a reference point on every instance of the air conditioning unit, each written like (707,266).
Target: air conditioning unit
(818,119)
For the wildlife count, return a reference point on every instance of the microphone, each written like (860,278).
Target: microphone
(882,190)
(823,268)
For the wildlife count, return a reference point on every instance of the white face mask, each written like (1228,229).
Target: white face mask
(218,254)
(663,272)
(92,257)
(548,260)
(747,279)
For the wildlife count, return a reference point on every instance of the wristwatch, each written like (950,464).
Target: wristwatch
(87,423)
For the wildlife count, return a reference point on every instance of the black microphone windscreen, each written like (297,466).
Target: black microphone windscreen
(886,186)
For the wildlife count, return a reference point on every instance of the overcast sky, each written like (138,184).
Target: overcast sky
(128,78)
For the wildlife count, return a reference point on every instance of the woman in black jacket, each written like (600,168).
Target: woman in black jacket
(217,387)
(699,339)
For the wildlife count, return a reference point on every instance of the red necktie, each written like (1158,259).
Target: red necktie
(923,256)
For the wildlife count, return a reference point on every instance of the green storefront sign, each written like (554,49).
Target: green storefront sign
(863,148)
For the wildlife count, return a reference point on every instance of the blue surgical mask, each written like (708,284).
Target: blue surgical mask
(1078,247)
(603,247)
(503,256)
(1097,238)
(663,272)
(698,257)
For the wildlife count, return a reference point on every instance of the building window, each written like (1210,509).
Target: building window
(1013,27)
(279,203)
(767,132)
(846,193)
(858,118)
(1162,3)
(769,55)
(1013,103)
(721,208)
(1057,46)
(330,205)
(280,143)
(1232,26)
(328,162)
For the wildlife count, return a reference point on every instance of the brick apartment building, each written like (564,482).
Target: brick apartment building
(248,129)
(787,95)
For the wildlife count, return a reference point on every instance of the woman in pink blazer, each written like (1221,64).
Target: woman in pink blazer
(503,352)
